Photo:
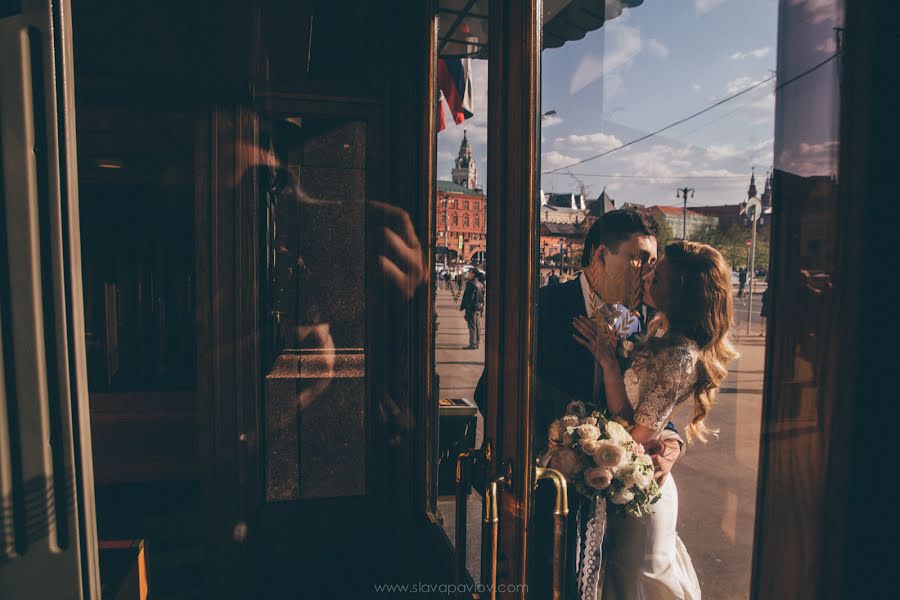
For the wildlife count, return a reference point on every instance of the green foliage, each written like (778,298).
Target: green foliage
(732,243)
(665,233)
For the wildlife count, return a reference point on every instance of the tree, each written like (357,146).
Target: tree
(732,243)
(665,232)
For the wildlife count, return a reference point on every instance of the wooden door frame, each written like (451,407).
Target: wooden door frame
(512,240)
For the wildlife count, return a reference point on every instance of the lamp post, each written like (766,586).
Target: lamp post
(446,232)
(754,209)
(683,193)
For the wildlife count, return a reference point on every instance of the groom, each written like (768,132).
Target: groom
(619,248)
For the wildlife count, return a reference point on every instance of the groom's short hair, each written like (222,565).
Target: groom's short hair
(614,227)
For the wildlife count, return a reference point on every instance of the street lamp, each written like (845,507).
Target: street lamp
(683,193)
(754,210)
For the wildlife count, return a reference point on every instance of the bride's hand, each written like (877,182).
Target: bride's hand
(588,334)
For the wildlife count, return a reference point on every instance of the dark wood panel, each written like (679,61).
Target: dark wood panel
(140,437)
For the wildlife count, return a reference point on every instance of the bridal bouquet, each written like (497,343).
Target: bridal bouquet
(598,456)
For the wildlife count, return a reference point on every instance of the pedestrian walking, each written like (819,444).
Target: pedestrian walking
(742,281)
(553,278)
(473,305)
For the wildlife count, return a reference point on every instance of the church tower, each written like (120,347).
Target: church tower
(465,173)
(752,191)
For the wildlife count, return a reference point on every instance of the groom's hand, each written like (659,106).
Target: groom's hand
(664,454)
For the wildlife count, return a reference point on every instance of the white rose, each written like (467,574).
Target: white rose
(627,475)
(644,460)
(617,433)
(643,477)
(622,496)
(588,432)
(589,421)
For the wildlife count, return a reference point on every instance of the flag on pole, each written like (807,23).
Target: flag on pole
(455,82)
(441,119)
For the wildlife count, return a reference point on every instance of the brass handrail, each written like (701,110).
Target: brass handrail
(490,531)
(482,456)
(560,515)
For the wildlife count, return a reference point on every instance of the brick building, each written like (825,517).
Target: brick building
(461,222)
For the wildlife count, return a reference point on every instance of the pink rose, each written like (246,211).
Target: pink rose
(637,449)
(588,432)
(598,478)
(609,454)
(589,446)
(567,462)
(570,421)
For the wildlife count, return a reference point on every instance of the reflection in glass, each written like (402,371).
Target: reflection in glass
(617,132)
(314,308)
(460,267)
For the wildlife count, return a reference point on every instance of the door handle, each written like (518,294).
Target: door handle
(489,533)
(560,515)
(464,461)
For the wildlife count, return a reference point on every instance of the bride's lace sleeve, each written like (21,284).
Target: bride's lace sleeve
(665,379)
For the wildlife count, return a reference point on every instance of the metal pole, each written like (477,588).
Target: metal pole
(750,275)
(684,229)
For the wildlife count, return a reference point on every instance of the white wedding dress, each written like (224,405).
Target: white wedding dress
(645,559)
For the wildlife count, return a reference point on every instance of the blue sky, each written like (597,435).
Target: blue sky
(654,64)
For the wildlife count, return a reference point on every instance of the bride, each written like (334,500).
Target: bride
(683,358)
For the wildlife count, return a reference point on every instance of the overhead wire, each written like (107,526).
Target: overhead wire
(697,114)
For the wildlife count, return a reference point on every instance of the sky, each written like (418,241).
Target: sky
(654,64)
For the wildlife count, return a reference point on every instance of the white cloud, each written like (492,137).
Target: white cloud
(829,46)
(444,156)
(755,53)
(736,85)
(554,160)
(819,10)
(551,120)
(622,43)
(721,151)
(765,103)
(704,6)
(695,87)
(810,159)
(657,49)
(591,142)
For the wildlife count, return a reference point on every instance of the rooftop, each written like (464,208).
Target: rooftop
(449,186)
(673,211)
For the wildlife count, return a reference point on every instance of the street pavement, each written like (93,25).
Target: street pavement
(716,481)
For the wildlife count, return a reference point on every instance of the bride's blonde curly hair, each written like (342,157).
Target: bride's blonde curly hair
(700,308)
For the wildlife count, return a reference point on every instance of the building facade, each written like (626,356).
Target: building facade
(461,223)
(680,224)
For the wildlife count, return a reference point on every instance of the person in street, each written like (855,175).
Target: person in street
(472,304)
(764,309)
(446,278)
(742,281)
(553,278)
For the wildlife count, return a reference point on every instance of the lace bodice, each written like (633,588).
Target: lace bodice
(657,382)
